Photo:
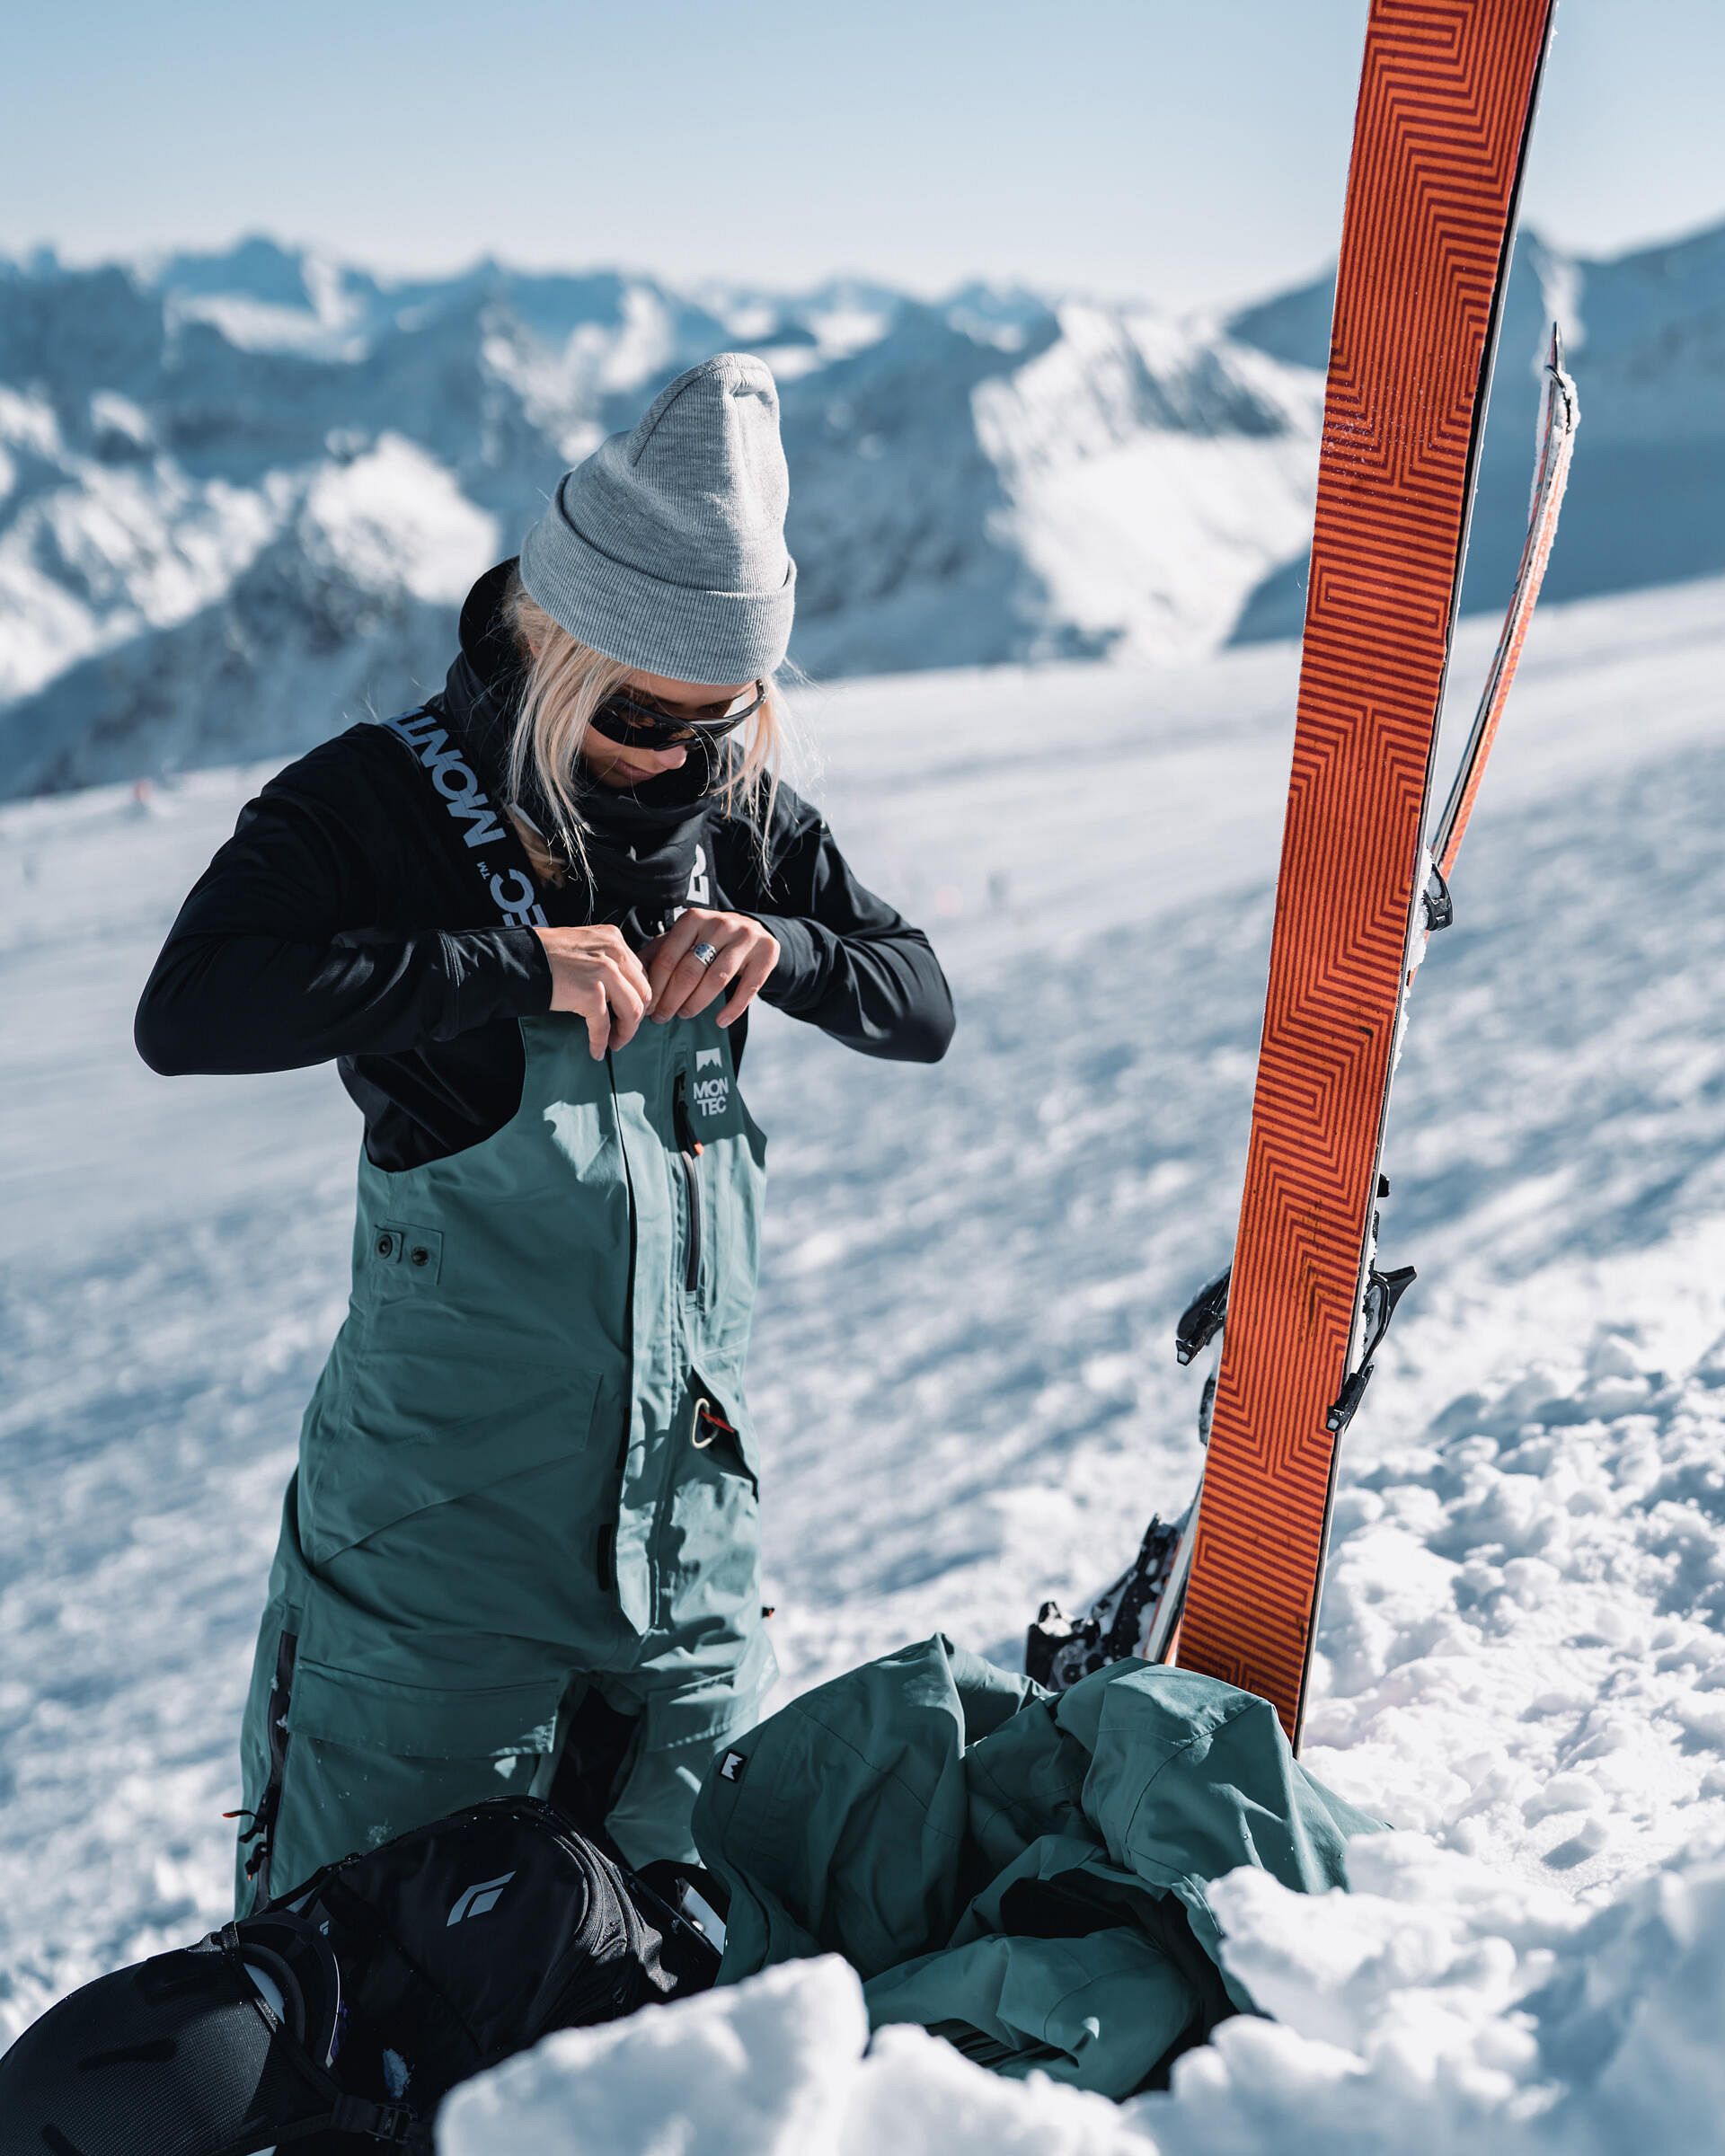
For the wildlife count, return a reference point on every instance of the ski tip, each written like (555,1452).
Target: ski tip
(1563,381)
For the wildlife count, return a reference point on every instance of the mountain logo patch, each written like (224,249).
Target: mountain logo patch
(711,1089)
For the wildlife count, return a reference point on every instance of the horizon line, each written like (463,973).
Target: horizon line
(146,261)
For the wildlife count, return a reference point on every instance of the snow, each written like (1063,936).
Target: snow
(114,554)
(841,331)
(776,2068)
(964,1379)
(395,515)
(1124,413)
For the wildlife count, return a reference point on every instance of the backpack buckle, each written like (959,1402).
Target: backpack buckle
(380,2122)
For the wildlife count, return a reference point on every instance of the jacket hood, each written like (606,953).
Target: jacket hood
(483,686)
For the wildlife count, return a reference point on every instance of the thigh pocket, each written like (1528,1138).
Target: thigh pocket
(371,1757)
(424,1721)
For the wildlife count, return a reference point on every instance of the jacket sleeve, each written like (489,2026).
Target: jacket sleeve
(848,963)
(278,957)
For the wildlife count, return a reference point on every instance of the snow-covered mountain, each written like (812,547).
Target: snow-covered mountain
(1645,334)
(240,492)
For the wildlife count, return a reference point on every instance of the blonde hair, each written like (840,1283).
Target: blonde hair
(566,682)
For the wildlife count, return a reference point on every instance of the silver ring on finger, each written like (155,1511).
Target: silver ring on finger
(703,954)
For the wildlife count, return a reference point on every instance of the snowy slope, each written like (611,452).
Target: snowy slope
(999,476)
(963,1376)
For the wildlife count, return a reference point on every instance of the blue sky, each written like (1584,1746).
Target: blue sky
(1179,152)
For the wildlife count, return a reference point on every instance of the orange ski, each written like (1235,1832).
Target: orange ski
(1445,106)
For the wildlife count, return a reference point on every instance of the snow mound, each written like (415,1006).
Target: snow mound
(1440,2007)
(774,2067)
(1545,1559)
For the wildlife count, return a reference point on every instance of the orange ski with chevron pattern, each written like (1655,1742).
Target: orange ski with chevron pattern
(1446,102)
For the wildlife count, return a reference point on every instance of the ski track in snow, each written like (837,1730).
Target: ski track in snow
(963,1376)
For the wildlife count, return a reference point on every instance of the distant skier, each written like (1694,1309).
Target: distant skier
(520,1552)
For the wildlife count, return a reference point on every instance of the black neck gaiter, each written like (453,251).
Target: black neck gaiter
(639,843)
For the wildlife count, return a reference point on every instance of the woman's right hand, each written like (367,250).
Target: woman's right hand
(596,976)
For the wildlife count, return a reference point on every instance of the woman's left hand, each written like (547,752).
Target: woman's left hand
(683,987)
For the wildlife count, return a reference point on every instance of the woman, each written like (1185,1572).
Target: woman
(527,921)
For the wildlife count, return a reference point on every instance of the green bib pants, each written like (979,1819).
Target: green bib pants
(527,1473)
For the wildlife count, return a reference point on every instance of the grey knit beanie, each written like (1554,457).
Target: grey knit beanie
(665,548)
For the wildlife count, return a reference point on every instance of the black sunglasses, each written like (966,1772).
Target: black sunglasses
(627,718)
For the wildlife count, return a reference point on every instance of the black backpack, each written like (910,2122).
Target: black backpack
(351,2005)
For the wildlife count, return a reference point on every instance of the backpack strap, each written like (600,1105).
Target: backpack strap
(499,858)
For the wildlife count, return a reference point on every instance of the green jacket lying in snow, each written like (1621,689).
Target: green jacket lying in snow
(1024,1874)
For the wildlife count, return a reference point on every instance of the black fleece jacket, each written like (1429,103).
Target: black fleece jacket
(340,923)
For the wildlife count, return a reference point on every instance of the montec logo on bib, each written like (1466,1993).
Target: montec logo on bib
(712,1090)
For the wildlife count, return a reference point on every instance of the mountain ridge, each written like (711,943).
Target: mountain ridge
(200,448)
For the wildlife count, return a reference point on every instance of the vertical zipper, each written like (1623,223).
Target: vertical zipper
(629,1287)
(688,1148)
